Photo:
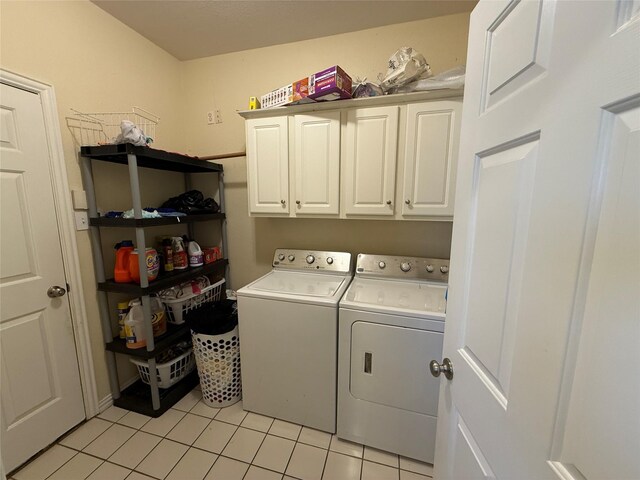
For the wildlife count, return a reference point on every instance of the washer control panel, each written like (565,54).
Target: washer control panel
(389,266)
(338,262)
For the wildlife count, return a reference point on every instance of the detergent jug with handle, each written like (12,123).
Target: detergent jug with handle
(134,326)
(151,260)
(121,270)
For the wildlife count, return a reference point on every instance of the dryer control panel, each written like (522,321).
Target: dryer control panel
(312,260)
(390,266)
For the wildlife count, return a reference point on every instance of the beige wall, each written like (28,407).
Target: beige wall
(226,81)
(95,63)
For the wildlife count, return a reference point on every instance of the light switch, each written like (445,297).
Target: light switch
(82,220)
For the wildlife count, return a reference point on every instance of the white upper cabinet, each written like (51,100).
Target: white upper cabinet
(370,161)
(316,166)
(388,157)
(268,165)
(430,158)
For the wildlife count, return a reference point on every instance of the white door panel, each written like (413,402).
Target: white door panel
(317,163)
(371,153)
(470,462)
(610,322)
(41,395)
(543,318)
(430,158)
(268,165)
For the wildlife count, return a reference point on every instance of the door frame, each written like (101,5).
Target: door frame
(66,228)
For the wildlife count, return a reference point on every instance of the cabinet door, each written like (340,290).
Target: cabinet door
(316,189)
(370,156)
(430,158)
(268,165)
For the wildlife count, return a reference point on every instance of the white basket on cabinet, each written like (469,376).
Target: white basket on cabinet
(177,308)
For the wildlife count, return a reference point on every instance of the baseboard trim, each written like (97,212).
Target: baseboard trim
(107,401)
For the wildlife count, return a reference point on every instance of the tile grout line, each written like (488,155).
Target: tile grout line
(91,472)
(73,456)
(295,442)
(326,459)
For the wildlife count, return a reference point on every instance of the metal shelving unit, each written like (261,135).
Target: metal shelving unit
(148,400)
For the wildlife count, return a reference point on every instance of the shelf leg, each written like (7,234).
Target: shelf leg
(153,379)
(114,382)
(225,243)
(188,185)
(144,281)
(148,327)
(98,264)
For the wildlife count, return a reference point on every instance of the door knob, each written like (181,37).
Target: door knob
(446,367)
(56,291)
(408,202)
(282,202)
(388,202)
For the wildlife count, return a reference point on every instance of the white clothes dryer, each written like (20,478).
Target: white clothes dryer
(288,327)
(391,326)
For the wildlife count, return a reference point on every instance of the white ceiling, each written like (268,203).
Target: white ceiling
(190,29)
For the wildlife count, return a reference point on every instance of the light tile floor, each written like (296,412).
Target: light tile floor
(193,441)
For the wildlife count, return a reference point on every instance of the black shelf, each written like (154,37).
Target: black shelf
(153,222)
(137,397)
(149,158)
(165,280)
(174,334)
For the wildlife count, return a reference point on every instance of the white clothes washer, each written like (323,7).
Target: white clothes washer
(391,326)
(288,327)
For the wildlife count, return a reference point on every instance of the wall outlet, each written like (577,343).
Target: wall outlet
(214,117)
(82,220)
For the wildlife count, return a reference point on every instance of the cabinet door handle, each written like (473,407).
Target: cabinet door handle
(297,202)
(388,202)
(282,202)
(408,202)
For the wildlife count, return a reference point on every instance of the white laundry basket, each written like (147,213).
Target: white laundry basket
(218,362)
(168,373)
(177,308)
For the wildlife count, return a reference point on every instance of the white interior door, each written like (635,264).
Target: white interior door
(41,394)
(543,320)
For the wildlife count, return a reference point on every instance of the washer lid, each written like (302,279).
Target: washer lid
(419,298)
(304,284)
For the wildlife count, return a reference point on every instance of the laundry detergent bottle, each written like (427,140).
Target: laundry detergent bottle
(134,326)
(196,257)
(121,270)
(152,261)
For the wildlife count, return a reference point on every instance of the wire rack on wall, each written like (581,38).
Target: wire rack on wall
(100,128)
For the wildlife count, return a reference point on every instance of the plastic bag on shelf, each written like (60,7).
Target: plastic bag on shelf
(362,88)
(405,66)
(452,78)
(186,289)
(131,133)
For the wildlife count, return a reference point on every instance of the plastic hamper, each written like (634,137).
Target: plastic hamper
(216,347)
